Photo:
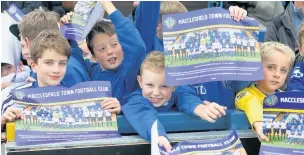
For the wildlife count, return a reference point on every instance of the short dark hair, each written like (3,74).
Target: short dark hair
(100,27)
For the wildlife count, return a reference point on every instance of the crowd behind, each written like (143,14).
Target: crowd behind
(128,52)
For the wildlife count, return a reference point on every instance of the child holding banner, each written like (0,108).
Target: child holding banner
(296,82)
(148,21)
(142,106)
(277,60)
(118,50)
(50,52)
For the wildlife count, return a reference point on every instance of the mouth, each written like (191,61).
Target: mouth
(155,99)
(274,82)
(112,60)
(54,77)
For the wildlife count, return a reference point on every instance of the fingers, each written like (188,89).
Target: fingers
(111,105)
(231,10)
(237,13)
(262,137)
(217,109)
(163,141)
(66,18)
(167,146)
(9,116)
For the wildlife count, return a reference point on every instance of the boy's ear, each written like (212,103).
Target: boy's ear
(33,66)
(27,41)
(139,80)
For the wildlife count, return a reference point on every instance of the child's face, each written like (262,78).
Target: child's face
(276,67)
(154,88)
(50,68)
(107,51)
(7,69)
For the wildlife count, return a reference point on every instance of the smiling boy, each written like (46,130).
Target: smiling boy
(142,106)
(50,52)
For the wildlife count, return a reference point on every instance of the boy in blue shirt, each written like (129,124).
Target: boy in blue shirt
(50,52)
(118,50)
(142,106)
(148,21)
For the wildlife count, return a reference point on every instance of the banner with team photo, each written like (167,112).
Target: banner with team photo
(85,15)
(60,114)
(283,123)
(230,145)
(208,45)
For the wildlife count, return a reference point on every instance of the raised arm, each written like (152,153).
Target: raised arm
(146,21)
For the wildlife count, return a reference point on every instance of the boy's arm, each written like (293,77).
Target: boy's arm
(250,104)
(141,115)
(146,21)
(186,99)
(131,43)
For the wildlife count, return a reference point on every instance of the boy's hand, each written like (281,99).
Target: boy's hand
(66,18)
(163,141)
(111,105)
(30,79)
(11,114)
(108,6)
(258,127)
(237,13)
(210,111)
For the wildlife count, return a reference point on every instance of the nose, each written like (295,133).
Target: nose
(110,51)
(276,73)
(56,68)
(156,92)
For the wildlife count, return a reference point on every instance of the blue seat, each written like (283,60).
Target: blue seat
(180,122)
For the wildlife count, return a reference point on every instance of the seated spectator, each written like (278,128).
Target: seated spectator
(284,28)
(277,60)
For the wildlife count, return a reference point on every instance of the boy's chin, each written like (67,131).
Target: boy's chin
(112,66)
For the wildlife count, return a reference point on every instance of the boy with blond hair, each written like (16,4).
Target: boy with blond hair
(142,106)
(148,21)
(296,82)
(277,60)
(50,52)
